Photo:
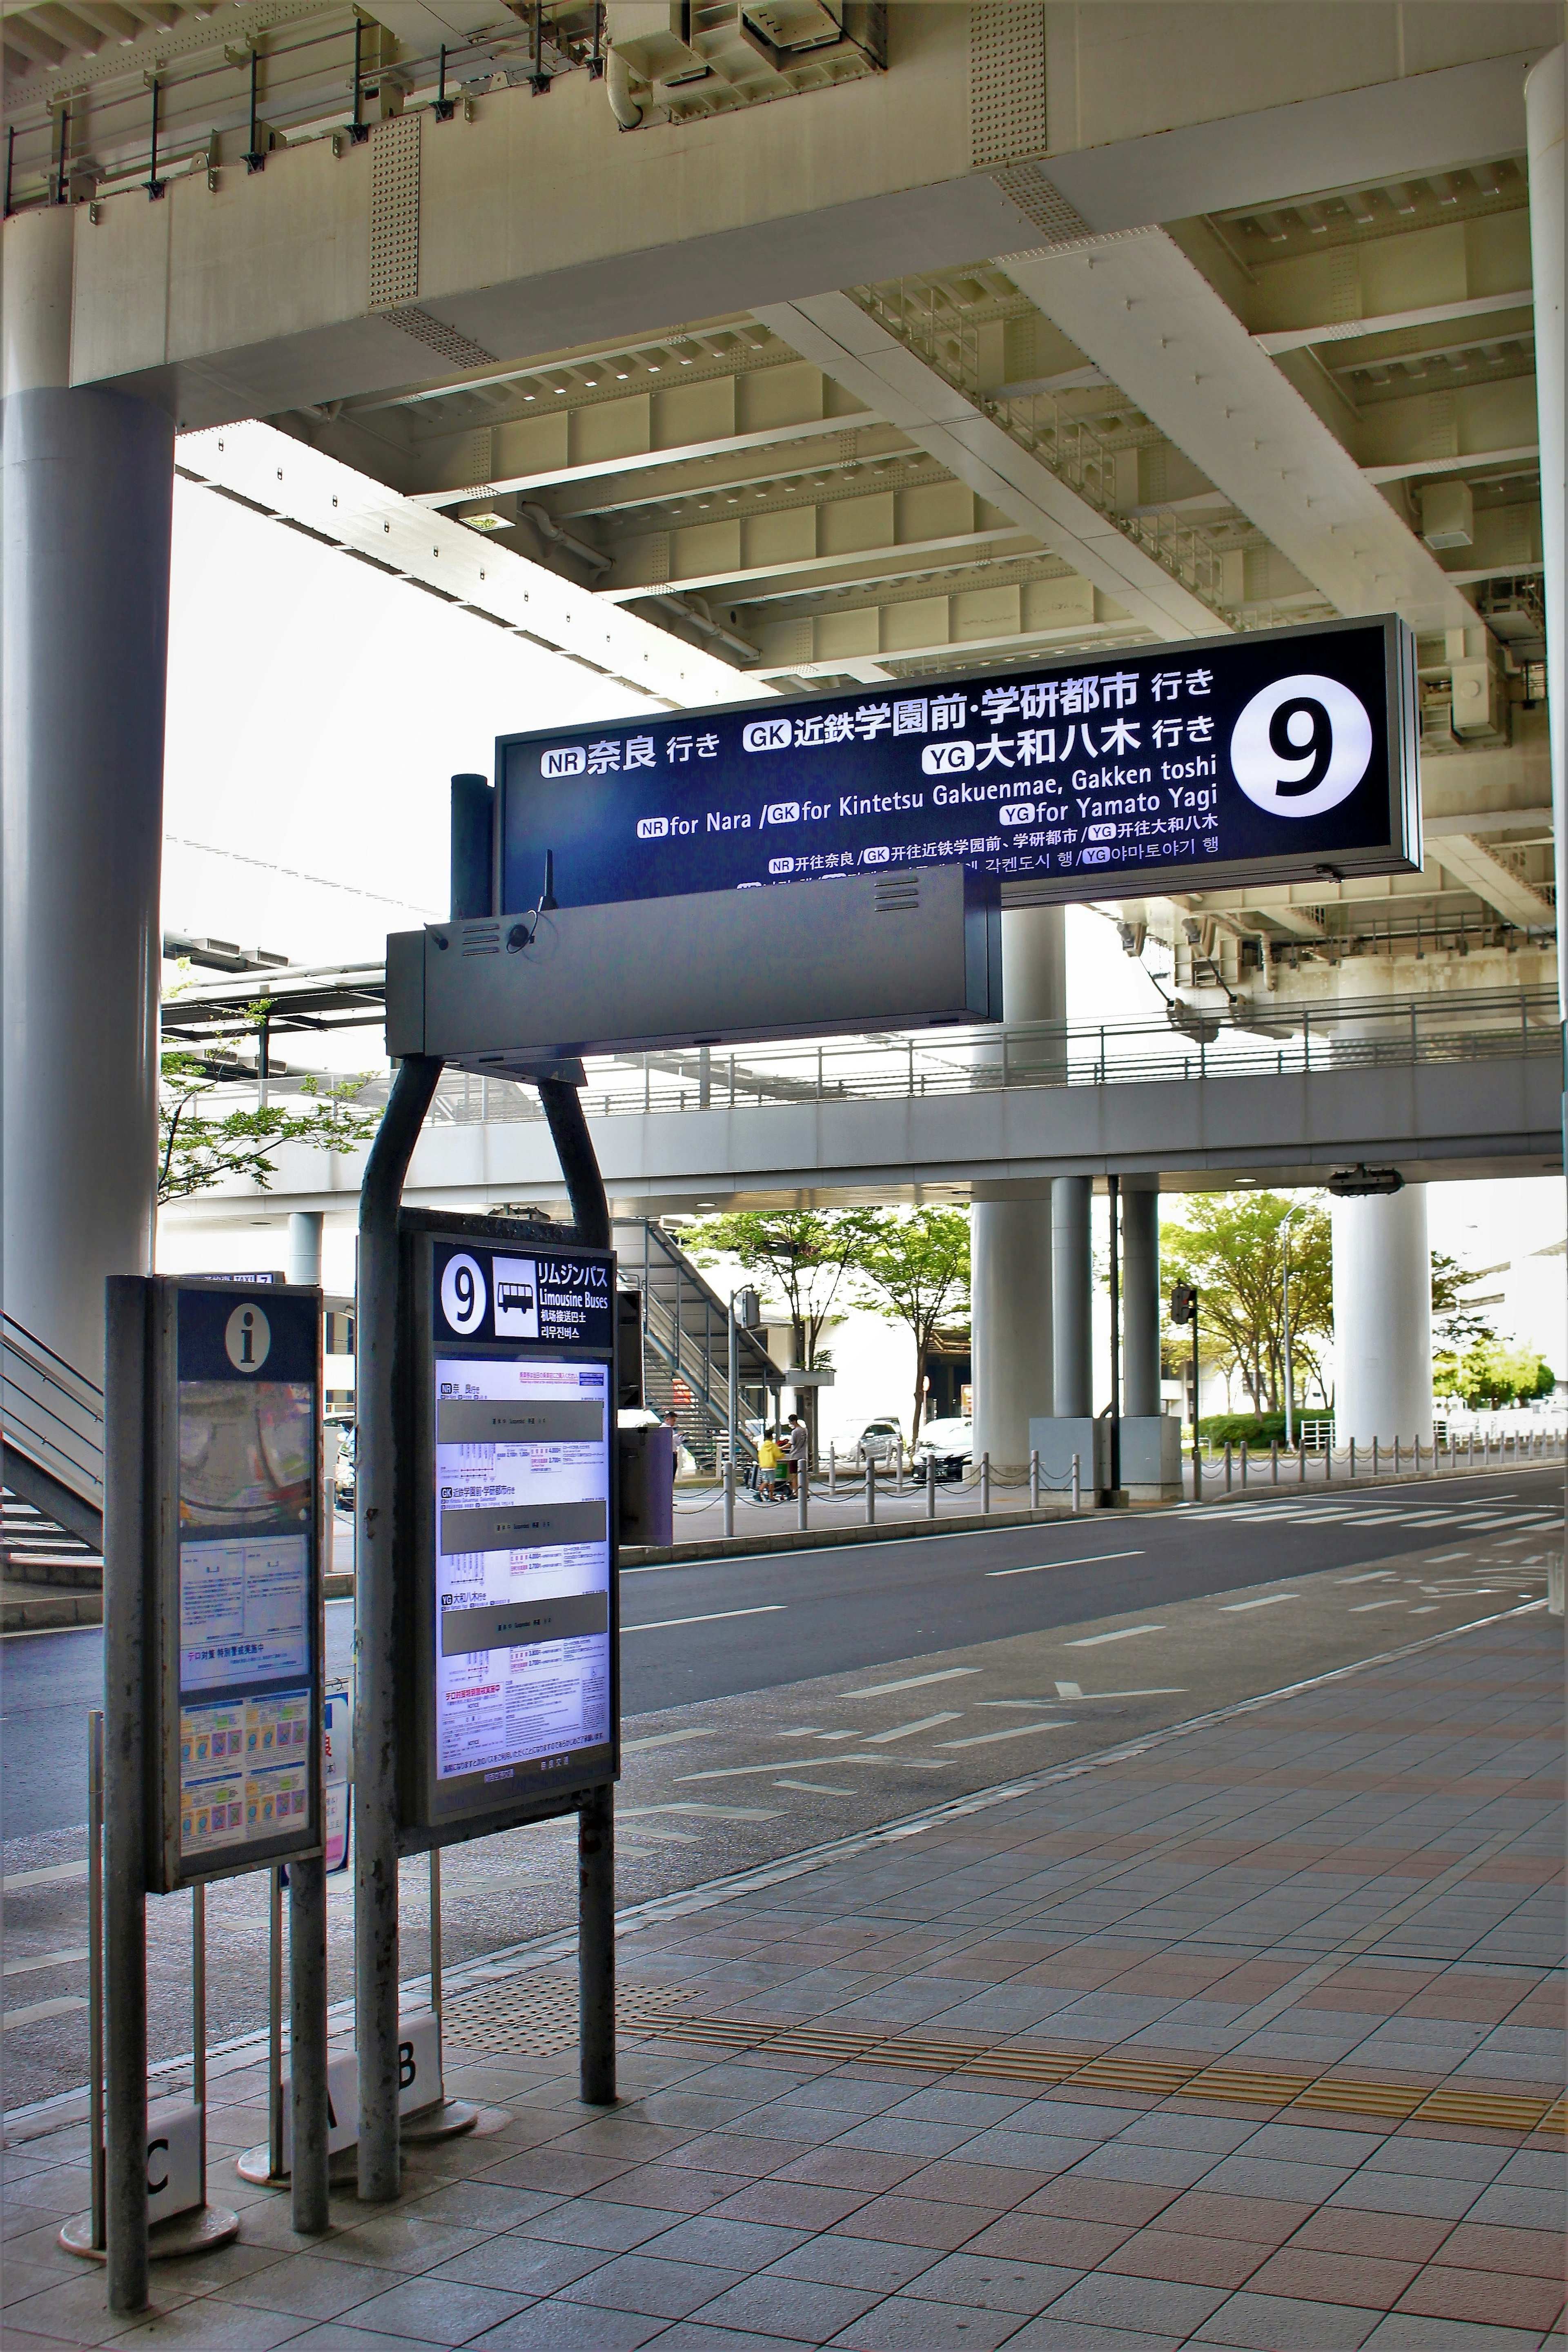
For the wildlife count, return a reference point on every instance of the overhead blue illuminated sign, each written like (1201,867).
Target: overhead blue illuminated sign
(1271,756)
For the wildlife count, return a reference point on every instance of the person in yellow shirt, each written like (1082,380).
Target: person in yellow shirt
(768,1465)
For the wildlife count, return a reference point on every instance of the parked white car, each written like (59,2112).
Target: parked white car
(952,1443)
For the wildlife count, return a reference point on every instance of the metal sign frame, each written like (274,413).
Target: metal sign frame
(432,1813)
(185,1319)
(1060,796)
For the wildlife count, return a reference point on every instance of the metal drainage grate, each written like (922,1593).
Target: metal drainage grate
(534,2016)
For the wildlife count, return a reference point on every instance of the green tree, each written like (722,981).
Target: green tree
(806,1253)
(1232,1245)
(916,1270)
(1456,1321)
(1488,1372)
(200,1146)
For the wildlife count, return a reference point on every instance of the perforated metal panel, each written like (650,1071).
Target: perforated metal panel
(394,211)
(437,337)
(1042,202)
(1006,80)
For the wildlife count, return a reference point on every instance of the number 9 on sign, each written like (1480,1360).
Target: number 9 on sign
(1302,746)
(463,1294)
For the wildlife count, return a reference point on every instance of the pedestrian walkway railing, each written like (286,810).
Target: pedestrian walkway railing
(54,1432)
(1241,1468)
(1241,1037)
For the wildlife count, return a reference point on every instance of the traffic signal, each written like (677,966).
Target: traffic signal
(1183,1302)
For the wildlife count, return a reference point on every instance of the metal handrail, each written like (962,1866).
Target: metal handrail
(53,1413)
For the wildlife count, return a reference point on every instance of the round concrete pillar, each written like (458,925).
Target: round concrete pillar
(1141,1315)
(87,494)
(304,1263)
(1545,109)
(1382,1317)
(1072,1287)
(1010,1288)
(1010,1282)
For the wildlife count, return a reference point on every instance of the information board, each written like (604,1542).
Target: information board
(1268,755)
(511,1624)
(237,1635)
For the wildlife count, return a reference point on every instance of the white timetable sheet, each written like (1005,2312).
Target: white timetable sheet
(522,1563)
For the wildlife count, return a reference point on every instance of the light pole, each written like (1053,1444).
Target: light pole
(1285,1302)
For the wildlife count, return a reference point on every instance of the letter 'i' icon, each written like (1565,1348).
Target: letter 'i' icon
(248,1338)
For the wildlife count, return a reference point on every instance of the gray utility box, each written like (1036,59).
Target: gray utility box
(910,948)
(1152,1457)
(1056,1441)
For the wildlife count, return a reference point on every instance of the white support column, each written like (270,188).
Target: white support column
(1382,1318)
(1545,108)
(1010,1285)
(304,1263)
(1141,1317)
(88,489)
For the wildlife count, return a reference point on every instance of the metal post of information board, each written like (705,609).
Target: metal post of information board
(596,1945)
(275,2024)
(375,1631)
(126,1570)
(307,2187)
(199,2017)
(95,1964)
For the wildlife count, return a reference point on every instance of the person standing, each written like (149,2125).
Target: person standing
(767,1465)
(799,1445)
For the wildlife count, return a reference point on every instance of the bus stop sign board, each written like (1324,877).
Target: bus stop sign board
(510,1622)
(1273,755)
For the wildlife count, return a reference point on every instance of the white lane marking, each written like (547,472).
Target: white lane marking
(1065,1691)
(663,1739)
(908,1730)
(55,1871)
(1371,1575)
(804,1731)
(1364,1607)
(816,1788)
(42,1960)
(1233,1608)
(660,1624)
(654,1837)
(1095,1641)
(1019,1731)
(735,1771)
(1429,1609)
(907,1763)
(1438,1557)
(1038,1567)
(914,1682)
(713,1812)
(41,2008)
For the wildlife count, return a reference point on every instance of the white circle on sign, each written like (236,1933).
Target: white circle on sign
(1302,746)
(248,1338)
(463,1294)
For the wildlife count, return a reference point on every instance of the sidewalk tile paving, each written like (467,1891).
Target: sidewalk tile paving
(1324,1887)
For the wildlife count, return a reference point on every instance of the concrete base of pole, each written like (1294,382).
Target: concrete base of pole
(447,2119)
(200,2231)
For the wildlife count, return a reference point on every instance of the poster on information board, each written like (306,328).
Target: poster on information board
(1266,756)
(509,1620)
(237,1602)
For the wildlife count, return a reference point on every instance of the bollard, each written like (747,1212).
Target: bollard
(871,1491)
(1034,1478)
(1374,1457)
(1075,1485)
(1229,1480)
(986,1482)
(1301,1461)
(1353,1458)
(1396,1457)
(802,1499)
(930,1486)
(1274,1462)
(1471,1464)
(832,1470)
(1244,1465)
(728,1493)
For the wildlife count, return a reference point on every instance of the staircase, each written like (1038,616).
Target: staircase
(686,1343)
(53,1435)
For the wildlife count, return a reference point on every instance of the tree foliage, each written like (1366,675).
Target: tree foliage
(805,1253)
(200,1146)
(1232,1246)
(914,1270)
(1486,1372)
(1457,1323)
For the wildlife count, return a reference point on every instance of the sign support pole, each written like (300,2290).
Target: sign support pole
(375,1720)
(126,1566)
(308,2042)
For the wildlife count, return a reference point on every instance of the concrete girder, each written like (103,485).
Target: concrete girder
(276,475)
(836,334)
(1274,339)
(1478,869)
(1146,315)
(813,429)
(893,560)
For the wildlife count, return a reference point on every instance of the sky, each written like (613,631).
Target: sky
(317,710)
